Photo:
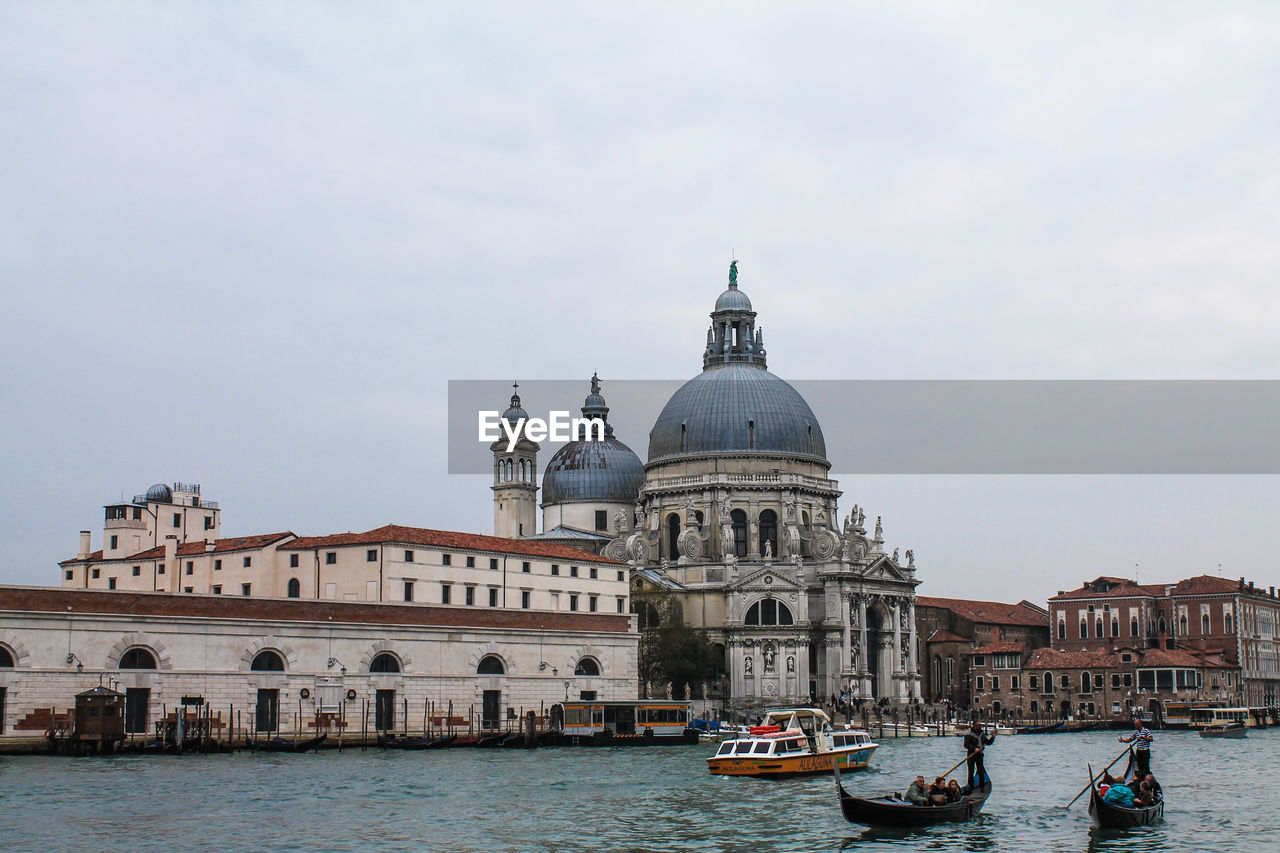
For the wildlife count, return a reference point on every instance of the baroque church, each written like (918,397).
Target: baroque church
(734,515)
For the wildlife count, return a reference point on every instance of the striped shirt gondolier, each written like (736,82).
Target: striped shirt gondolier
(1140,738)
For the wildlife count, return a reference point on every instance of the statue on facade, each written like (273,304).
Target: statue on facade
(862,519)
(664,565)
(733,273)
(768,549)
(879,529)
(911,557)
(620,519)
(639,514)
(768,654)
(789,508)
(690,506)
(895,555)
(746,664)
(791,663)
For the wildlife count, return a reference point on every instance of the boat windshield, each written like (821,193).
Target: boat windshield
(762,746)
(743,746)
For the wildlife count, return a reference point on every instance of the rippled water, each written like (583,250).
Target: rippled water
(1220,796)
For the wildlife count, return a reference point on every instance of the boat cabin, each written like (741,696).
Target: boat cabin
(586,718)
(1201,717)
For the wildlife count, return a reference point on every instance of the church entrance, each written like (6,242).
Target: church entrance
(875,631)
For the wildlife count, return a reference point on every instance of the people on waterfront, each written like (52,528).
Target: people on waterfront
(916,792)
(974,743)
(953,792)
(1141,740)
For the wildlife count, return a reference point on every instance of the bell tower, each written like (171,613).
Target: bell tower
(515,477)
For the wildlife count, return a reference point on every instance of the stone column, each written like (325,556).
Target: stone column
(863,650)
(897,682)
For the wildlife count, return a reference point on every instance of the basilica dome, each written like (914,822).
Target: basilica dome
(590,469)
(736,405)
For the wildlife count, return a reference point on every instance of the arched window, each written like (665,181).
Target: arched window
(1086,682)
(649,617)
(1062,630)
(295,588)
(769,611)
(739,519)
(1204,623)
(1115,626)
(490,665)
(1084,630)
(384,662)
(1226,624)
(1048,681)
(587,666)
(1098,627)
(673,536)
(6,658)
(769,531)
(267,661)
(1182,625)
(1163,626)
(1133,627)
(137,658)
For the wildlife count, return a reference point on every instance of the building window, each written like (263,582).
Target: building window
(191,567)
(248,561)
(208,522)
(267,661)
(739,520)
(622,604)
(188,589)
(408,590)
(137,571)
(979,660)
(293,561)
(246,588)
(525,567)
(471,595)
(114,541)
(1065,681)
(217,589)
(493,597)
(1126,658)
(111,583)
(593,572)
(1097,682)
(330,558)
(1115,627)
(1204,623)
(408,556)
(573,601)
(587,667)
(981,683)
(384,662)
(1034,681)
(555,569)
(524,599)
(1015,682)
(493,564)
(602,519)
(159,569)
(446,559)
(1227,625)
(622,576)
(70,573)
(490,665)
(573,571)
(593,603)
(371,556)
(294,589)
(137,658)
(768,611)
(1084,630)
(97,573)
(1115,681)
(217,565)
(1133,626)
(471,562)
(177,519)
(444,593)
(1128,679)
(995,683)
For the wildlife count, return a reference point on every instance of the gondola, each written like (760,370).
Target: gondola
(1111,816)
(279,744)
(895,811)
(1055,728)
(390,741)
(442,742)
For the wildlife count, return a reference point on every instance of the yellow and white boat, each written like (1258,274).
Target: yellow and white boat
(793,742)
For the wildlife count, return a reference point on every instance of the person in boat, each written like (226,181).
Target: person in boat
(974,742)
(1141,739)
(1119,794)
(938,792)
(1107,781)
(1143,796)
(916,793)
(953,792)
(1156,791)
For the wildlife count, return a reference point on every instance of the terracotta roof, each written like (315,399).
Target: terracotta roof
(993,612)
(996,649)
(1206,583)
(191,549)
(1174,657)
(449,539)
(1054,659)
(1122,588)
(941,636)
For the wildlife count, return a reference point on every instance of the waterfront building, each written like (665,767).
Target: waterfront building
(736,519)
(1210,617)
(952,628)
(287,663)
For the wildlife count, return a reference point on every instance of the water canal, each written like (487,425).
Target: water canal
(1221,795)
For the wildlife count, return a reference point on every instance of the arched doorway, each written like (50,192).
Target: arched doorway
(879,649)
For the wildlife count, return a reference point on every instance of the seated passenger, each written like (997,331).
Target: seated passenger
(1156,791)
(953,792)
(1119,795)
(1143,796)
(916,793)
(938,792)
(1107,781)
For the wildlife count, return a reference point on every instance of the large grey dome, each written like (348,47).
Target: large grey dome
(733,300)
(735,408)
(160,493)
(593,471)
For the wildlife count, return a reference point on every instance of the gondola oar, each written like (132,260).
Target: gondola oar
(1093,778)
(958,763)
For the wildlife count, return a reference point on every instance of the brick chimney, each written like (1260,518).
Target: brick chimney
(85,545)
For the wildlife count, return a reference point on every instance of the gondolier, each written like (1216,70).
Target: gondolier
(974,742)
(1141,739)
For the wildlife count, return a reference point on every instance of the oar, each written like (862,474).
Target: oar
(958,763)
(1093,778)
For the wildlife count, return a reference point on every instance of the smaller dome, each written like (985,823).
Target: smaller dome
(514,413)
(733,300)
(159,493)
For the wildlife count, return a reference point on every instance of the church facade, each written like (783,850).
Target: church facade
(734,514)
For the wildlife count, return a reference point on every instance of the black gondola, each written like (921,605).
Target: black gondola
(1111,816)
(895,811)
(442,742)
(390,741)
(279,744)
(1055,728)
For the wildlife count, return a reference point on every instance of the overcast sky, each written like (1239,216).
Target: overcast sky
(247,246)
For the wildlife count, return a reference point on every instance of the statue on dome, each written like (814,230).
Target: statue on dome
(733,273)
